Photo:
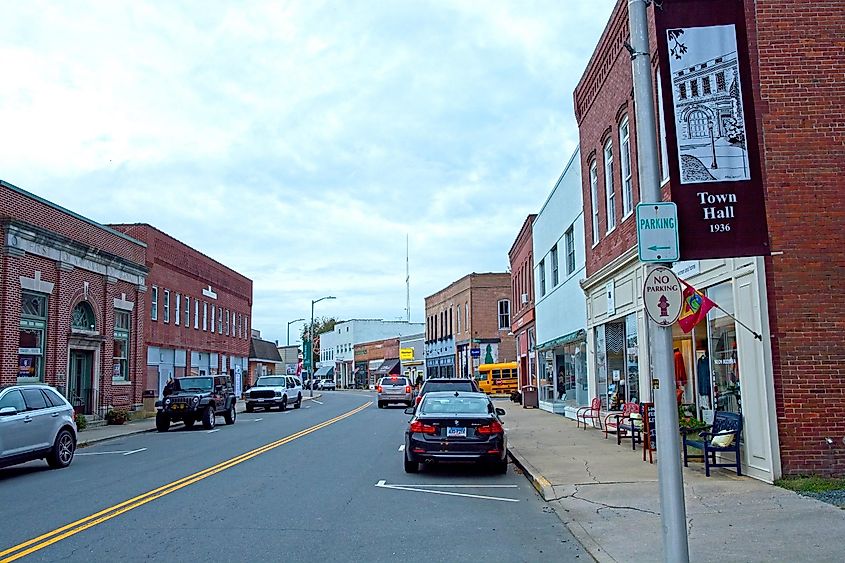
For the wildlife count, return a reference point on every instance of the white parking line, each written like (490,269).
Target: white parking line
(213,431)
(136,451)
(383,485)
(316,401)
(402,448)
(257,419)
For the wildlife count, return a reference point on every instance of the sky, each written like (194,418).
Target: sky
(300,142)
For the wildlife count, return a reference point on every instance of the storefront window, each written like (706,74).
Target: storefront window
(632,354)
(601,365)
(32,336)
(723,354)
(120,364)
(615,353)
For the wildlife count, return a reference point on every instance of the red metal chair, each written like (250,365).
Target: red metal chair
(593,412)
(612,419)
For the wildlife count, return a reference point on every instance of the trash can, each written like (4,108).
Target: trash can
(530,400)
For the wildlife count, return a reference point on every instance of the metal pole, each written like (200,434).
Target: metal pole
(290,323)
(670,477)
(311,354)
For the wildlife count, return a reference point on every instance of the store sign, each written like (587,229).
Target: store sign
(406,354)
(711,133)
(475,352)
(663,296)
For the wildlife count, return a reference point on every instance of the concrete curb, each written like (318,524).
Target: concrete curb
(547,492)
(82,443)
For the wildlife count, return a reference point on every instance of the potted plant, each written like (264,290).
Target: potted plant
(81,421)
(117,416)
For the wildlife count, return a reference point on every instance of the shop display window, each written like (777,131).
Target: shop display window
(32,337)
(724,365)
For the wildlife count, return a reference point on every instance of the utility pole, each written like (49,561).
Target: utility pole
(670,477)
(407,280)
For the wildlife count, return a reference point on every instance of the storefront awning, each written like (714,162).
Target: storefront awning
(324,372)
(579,334)
(386,367)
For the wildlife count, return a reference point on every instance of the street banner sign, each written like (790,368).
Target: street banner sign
(663,296)
(657,232)
(711,129)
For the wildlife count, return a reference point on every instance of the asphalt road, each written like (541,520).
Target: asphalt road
(323,483)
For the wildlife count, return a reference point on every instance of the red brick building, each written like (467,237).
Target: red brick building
(197,319)
(72,296)
(789,386)
(473,312)
(371,357)
(521,258)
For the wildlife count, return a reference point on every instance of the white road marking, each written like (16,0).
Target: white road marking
(467,486)
(122,452)
(383,484)
(402,448)
(213,431)
(307,406)
(257,419)
(136,451)
(316,401)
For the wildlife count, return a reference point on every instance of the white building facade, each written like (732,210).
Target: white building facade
(560,308)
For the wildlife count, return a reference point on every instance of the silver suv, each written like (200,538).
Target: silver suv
(395,389)
(36,422)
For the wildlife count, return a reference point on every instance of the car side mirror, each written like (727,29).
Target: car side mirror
(500,412)
(410,410)
(8,411)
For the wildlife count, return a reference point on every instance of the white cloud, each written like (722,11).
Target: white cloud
(299,142)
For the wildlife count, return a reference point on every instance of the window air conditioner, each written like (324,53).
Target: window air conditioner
(524,299)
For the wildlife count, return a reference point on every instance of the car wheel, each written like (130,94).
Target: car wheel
(411,466)
(208,417)
(284,405)
(501,467)
(63,449)
(231,415)
(249,407)
(380,405)
(189,422)
(298,402)
(162,422)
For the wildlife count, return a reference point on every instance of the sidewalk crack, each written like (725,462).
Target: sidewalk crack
(590,473)
(603,505)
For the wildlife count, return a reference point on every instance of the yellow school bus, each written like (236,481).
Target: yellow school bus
(496,379)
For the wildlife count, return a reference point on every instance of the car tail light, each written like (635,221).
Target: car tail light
(418,427)
(378,389)
(492,428)
(407,389)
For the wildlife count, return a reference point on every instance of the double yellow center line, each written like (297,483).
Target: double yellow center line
(35,544)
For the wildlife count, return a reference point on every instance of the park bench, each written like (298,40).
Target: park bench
(723,437)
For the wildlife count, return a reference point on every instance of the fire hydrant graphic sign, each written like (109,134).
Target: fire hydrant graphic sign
(663,296)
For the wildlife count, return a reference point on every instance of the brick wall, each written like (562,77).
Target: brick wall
(180,269)
(71,285)
(801,112)
(521,257)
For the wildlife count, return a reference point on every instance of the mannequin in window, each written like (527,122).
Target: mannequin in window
(702,376)
(680,375)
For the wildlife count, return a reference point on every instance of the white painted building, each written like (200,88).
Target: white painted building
(560,307)
(337,347)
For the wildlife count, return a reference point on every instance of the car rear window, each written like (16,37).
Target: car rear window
(450,386)
(54,398)
(454,405)
(398,382)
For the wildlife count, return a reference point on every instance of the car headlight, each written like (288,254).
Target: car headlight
(196,400)
(167,401)
(278,393)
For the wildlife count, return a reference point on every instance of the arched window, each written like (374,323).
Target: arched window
(82,317)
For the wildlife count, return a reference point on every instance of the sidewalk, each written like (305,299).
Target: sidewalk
(92,436)
(609,499)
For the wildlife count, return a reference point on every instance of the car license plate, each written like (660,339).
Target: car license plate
(456,432)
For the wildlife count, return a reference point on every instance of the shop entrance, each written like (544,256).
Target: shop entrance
(81,381)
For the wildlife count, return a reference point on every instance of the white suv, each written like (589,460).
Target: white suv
(274,391)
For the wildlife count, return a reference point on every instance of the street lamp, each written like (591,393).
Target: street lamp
(714,165)
(290,323)
(311,336)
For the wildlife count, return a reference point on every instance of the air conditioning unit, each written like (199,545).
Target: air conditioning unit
(524,299)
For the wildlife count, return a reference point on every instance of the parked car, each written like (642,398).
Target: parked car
(36,422)
(274,391)
(197,398)
(394,389)
(326,385)
(447,384)
(455,426)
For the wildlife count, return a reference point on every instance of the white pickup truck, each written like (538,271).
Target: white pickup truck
(274,391)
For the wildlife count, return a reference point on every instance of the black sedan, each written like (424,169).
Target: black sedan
(455,426)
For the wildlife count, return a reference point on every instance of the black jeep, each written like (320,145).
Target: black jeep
(190,399)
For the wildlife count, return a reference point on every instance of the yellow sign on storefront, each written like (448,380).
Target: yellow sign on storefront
(406,354)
